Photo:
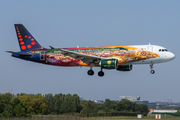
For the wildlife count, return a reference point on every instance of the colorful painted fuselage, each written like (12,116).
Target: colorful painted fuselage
(124,55)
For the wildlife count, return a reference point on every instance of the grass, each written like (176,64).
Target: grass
(148,117)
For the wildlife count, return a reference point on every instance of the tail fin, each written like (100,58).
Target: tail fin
(26,40)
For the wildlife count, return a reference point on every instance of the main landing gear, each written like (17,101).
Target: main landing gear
(152,71)
(91,72)
(101,73)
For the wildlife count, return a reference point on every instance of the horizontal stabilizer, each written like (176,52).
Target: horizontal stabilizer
(18,53)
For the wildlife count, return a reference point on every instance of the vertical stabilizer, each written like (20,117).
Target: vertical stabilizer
(26,40)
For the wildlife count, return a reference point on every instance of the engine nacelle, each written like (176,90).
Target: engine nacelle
(124,68)
(109,63)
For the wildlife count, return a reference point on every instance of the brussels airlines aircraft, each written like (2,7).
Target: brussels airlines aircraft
(120,58)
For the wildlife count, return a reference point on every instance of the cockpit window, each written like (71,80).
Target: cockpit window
(163,50)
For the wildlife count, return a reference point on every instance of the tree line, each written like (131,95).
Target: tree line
(36,104)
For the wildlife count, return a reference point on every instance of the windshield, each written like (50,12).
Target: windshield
(163,50)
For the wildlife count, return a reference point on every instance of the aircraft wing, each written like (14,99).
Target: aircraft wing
(80,56)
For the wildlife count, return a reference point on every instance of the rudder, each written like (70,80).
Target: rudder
(26,40)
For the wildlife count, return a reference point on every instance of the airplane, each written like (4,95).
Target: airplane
(121,58)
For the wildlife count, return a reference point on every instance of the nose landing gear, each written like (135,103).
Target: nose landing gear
(152,71)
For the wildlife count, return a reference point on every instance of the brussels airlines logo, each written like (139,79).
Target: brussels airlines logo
(21,38)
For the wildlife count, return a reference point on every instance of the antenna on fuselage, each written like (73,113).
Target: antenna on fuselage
(149,43)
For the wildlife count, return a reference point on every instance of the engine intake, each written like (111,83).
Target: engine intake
(124,68)
(109,63)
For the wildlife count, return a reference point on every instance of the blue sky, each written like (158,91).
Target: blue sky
(70,23)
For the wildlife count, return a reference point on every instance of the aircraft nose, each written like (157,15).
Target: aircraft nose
(170,56)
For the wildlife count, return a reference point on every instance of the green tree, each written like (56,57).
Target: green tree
(88,107)
(31,104)
(8,111)
(107,105)
(141,108)
(126,105)
(39,104)
(50,102)
(58,103)
(6,108)
(69,104)
(66,103)
(77,102)
(144,108)
(5,100)
(19,111)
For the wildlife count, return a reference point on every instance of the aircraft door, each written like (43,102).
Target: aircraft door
(150,49)
(42,55)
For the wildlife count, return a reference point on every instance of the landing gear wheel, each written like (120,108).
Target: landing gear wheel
(151,66)
(101,73)
(152,71)
(90,72)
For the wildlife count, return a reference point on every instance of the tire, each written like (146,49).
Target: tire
(152,71)
(101,73)
(90,72)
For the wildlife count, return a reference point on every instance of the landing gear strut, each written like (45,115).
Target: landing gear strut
(152,71)
(101,73)
(91,72)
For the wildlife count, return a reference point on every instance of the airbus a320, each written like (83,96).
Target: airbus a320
(120,58)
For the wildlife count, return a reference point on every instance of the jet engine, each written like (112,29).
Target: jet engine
(109,63)
(124,68)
